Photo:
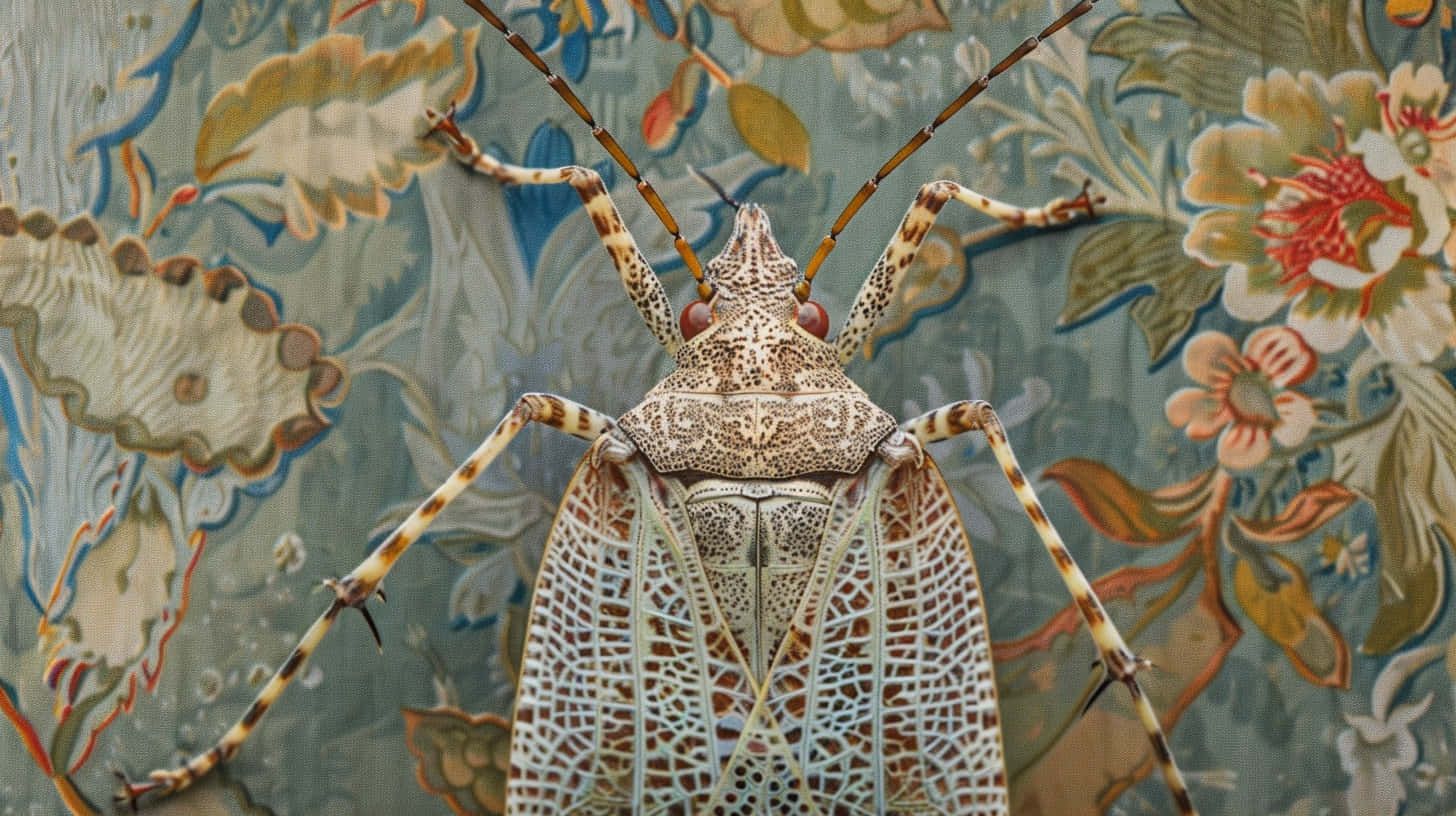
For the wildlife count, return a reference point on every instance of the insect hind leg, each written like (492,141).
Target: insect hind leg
(1117,660)
(356,588)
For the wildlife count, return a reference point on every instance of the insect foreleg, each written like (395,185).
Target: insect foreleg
(637,276)
(1118,661)
(356,588)
(878,290)
(925,134)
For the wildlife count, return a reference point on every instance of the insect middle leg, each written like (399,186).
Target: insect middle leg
(356,588)
(1118,661)
(878,290)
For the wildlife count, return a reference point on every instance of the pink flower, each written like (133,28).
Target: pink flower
(1245,396)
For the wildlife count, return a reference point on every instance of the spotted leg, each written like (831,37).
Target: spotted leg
(356,588)
(641,283)
(878,290)
(1118,661)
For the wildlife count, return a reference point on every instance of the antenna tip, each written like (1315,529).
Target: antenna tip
(714,186)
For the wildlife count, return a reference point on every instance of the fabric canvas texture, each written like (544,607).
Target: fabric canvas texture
(252,313)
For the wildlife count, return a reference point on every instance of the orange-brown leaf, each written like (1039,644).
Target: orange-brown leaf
(1304,514)
(1124,512)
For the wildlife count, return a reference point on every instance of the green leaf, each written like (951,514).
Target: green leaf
(1402,466)
(1122,257)
(769,127)
(1205,56)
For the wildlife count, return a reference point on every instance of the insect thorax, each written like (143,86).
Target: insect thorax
(755,396)
(758,542)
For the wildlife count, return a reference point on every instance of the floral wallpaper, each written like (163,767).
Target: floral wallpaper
(253,312)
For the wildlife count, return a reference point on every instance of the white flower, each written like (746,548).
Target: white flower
(1375,749)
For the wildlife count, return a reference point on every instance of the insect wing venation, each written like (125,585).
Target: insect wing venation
(636,698)
(884,682)
(631,680)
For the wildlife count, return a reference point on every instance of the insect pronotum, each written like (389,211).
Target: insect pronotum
(757,597)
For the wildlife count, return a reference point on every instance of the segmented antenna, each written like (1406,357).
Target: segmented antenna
(644,188)
(922,136)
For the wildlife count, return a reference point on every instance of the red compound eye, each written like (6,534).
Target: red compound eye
(695,317)
(814,319)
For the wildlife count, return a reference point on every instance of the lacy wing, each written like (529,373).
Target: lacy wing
(632,687)
(884,682)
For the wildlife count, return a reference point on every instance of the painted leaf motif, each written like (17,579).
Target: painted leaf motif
(167,357)
(1126,513)
(687,78)
(1409,13)
(63,492)
(512,643)
(313,136)
(462,758)
(769,127)
(1205,56)
(662,15)
(377,254)
(1145,261)
(1282,607)
(130,595)
(659,122)
(789,27)
(484,589)
(99,568)
(53,118)
(1304,514)
(1410,485)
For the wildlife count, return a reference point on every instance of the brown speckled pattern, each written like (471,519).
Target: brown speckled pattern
(754,395)
(879,289)
(758,541)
